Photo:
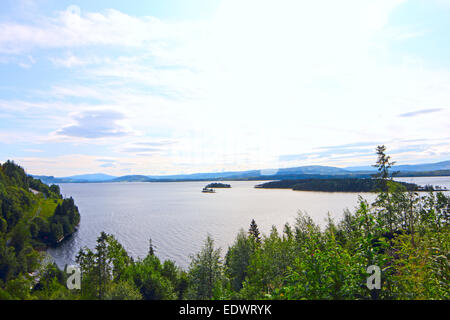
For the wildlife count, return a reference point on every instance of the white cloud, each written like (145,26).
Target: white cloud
(94,124)
(70,61)
(70,29)
(73,28)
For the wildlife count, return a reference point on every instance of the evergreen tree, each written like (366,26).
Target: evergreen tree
(103,268)
(99,267)
(151,250)
(254,231)
(389,190)
(383,163)
(205,271)
(238,259)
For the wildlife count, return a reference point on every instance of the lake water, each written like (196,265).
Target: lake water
(177,216)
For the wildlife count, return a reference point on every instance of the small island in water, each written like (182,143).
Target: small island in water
(218,185)
(209,187)
(341,185)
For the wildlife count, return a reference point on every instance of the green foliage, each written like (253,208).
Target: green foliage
(52,284)
(218,185)
(19,288)
(253,231)
(151,280)
(205,272)
(14,175)
(8,262)
(383,163)
(336,185)
(100,267)
(123,290)
(63,222)
(32,216)
(405,234)
(237,260)
(109,273)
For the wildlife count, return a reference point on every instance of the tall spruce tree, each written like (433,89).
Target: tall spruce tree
(387,186)
(254,231)
(383,164)
(205,271)
(151,248)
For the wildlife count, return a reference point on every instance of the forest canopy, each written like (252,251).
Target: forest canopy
(33,216)
(341,185)
(218,185)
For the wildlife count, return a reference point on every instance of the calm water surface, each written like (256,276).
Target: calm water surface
(177,216)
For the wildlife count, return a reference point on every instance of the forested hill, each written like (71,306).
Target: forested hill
(218,185)
(338,185)
(33,216)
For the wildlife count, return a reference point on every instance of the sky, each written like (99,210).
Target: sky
(175,86)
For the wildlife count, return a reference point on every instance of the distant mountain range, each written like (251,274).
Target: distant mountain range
(444,165)
(93,177)
(304,172)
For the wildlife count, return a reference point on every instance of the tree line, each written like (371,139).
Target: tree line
(340,185)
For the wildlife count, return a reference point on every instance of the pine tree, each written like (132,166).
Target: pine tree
(384,199)
(103,266)
(254,231)
(238,259)
(151,250)
(383,163)
(205,271)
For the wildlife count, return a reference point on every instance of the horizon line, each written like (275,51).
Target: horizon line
(231,171)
